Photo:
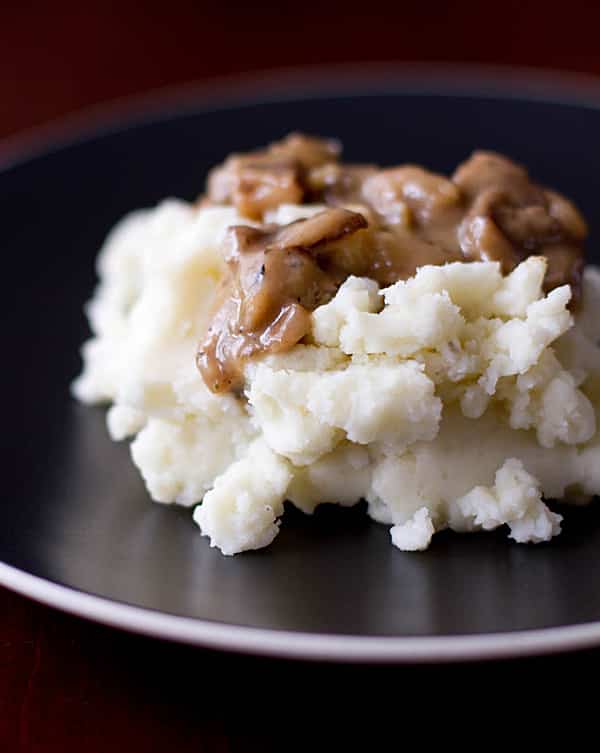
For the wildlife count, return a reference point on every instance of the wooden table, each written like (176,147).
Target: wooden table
(68,685)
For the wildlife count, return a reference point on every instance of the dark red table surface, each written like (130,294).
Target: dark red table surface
(69,685)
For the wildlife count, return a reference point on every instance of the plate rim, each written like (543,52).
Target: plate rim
(287,644)
(510,82)
(443,79)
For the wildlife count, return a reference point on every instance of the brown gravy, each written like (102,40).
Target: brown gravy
(401,218)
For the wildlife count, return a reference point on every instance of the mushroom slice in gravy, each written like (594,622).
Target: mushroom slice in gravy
(403,218)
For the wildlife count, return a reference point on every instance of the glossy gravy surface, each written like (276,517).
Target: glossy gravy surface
(379,223)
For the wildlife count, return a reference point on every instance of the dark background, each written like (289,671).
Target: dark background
(67,685)
(58,57)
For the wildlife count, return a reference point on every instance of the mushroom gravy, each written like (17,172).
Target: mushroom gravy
(379,223)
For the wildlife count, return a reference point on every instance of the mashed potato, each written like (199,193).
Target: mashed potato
(458,398)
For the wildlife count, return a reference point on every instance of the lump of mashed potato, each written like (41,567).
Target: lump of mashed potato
(459,396)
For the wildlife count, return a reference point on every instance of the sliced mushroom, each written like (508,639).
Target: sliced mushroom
(275,280)
(259,181)
(510,217)
(567,214)
(489,170)
(391,192)
(405,217)
(306,151)
(336,184)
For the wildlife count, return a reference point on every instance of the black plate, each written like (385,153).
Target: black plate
(74,511)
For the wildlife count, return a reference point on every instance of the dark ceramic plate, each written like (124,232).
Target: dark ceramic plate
(78,530)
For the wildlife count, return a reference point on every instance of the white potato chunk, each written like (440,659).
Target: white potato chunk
(242,509)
